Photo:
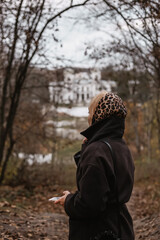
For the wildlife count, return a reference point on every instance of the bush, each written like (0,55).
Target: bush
(146,170)
(45,174)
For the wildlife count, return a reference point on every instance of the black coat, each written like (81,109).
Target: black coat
(92,208)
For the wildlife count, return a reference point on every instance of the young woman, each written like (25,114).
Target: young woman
(92,209)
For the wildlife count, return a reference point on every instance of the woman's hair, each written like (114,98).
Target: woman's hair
(104,105)
(94,102)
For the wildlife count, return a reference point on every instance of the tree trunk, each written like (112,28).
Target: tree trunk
(5,163)
(135,127)
(137,139)
(158,114)
(158,135)
(149,134)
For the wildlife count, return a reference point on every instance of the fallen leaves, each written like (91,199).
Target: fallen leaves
(145,209)
(31,216)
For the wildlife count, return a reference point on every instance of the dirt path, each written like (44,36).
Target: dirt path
(33,223)
(146,224)
(40,226)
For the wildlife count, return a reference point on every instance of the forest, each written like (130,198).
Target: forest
(127,52)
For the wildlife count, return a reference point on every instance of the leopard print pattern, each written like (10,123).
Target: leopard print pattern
(109,105)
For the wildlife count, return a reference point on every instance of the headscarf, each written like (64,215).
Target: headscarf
(109,105)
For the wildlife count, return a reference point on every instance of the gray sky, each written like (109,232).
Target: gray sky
(74,38)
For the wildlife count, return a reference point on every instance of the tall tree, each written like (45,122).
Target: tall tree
(135,44)
(22,27)
(142,43)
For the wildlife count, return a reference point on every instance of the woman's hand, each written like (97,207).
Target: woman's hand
(84,140)
(63,198)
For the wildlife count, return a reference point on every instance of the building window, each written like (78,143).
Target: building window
(87,95)
(77,96)
(82,96)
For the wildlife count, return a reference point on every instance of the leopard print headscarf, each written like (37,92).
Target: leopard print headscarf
(109,105)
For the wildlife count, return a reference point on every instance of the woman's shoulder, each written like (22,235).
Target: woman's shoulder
(95,151)
(94,147)
(98,155)
(100,149)
(101,144)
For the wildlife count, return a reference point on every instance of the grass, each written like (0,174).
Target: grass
(65,117)
(66,149)
(60,173)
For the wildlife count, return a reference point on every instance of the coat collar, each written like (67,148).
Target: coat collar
(112,127)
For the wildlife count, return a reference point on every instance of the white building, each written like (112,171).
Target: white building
(78,87)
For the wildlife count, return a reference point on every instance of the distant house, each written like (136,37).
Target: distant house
(78,86)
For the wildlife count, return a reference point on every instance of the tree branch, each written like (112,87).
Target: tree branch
(50,20)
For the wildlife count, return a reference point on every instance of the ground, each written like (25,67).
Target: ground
(146,218)
(29,215)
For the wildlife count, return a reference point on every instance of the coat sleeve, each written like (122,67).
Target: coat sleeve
(92,197)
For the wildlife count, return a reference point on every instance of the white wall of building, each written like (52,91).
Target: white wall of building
(78,88)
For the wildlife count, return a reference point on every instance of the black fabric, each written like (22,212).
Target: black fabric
(112,127)
(116,188)
(91,209)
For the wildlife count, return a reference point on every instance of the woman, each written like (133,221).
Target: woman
(92,209)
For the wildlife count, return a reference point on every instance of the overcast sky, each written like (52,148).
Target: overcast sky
(74,38)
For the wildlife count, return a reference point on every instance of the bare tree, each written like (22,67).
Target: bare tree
(135,45)
(22,27)
(142,43)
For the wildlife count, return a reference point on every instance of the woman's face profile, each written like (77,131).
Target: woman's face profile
(89,117)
